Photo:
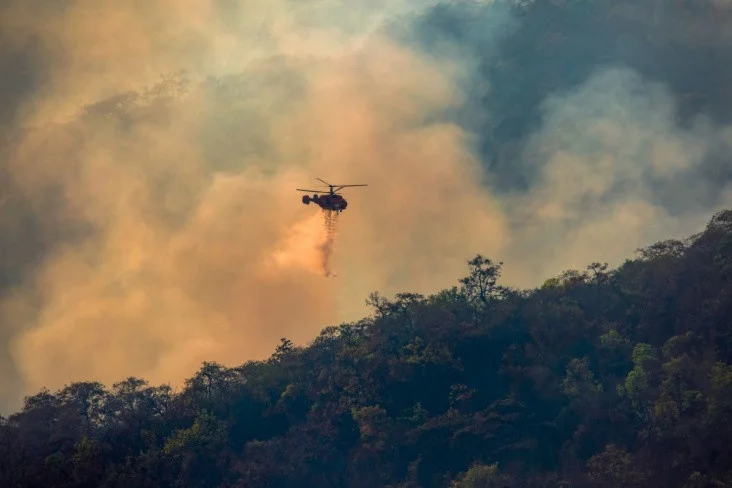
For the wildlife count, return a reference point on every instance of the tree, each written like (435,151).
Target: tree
(480,286)
(479,476)
(615,467)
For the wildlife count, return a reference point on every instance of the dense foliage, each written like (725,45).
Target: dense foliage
(607,377)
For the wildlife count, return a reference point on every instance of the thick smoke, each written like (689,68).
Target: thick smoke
(614,172)
(602,127)
(159,226)
(168,226)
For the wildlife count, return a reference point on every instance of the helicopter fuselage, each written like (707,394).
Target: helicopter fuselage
(326,201)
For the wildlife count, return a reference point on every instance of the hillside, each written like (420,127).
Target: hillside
(605,377)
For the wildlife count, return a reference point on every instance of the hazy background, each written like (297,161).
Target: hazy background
(149,153)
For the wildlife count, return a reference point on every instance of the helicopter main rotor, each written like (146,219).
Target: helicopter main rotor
(333,188)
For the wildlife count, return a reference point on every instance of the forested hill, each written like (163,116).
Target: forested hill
(606,377)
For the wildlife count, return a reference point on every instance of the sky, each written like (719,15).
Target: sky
(150,151)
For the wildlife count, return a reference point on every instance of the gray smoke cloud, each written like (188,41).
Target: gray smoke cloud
(158,226)
(614,172)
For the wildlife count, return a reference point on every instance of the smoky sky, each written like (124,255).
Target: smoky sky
(556,46)
(149,155)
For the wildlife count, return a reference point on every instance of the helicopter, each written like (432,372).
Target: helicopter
(327,201)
